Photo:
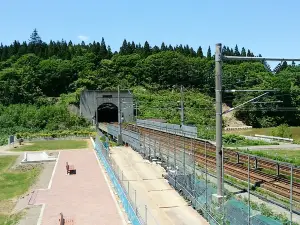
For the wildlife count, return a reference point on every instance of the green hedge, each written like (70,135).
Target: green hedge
(56,134)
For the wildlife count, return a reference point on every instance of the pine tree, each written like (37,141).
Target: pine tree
(192,52)
(224,50)
(163,47)
(243,52)
(133,47)
(123,49)
(4,55)
(147,49)
(109,52)
(236,51)
(155,49)
(200,52)
(35,38)
(103,49)
(129,48)
(170,48)
(208,53)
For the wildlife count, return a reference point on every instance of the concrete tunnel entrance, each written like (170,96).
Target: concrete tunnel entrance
(107,113)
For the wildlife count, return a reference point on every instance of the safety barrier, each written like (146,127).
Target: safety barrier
(102,154)
(184,130)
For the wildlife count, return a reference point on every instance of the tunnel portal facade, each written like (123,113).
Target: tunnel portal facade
(103,106)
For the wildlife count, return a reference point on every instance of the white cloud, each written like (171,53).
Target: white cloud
(83,37)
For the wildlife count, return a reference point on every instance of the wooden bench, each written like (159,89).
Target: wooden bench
(70,169)
(63,221)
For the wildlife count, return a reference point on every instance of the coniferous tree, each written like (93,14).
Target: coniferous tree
(133,47)
(103,49)
(200,52)
(224,50)
(123,49)
(155,49)
(35,38)
(163,47)
(192,52)
(4,55)
(243,52)
(109,52)
(129,48)
(236,51)
(208,53)
(147,49)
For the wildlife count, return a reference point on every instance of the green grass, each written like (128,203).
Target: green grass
(290,156)
(10,220)
(53,145)
(266,131)
(14,183)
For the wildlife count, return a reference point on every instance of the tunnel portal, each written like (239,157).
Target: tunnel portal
(107,113)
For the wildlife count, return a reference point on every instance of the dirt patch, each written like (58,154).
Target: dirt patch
(90,145)
(6,206)
(230,119)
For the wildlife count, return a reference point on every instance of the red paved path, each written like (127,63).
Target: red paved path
(84,197)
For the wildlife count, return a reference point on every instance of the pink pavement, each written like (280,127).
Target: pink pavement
(84,197)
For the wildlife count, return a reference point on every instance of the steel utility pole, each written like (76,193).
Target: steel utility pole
(219,150)
(181,105)
(119,118)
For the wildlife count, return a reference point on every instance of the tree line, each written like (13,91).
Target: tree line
(36,72)
(67,50)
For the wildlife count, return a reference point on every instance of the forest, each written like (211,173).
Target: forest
(39,74)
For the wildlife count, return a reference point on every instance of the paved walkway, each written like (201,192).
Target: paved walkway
(164,205)
(84,197)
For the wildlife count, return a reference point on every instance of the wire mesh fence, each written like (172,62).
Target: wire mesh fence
(245,199)
(132,201)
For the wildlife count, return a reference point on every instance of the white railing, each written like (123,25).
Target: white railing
(274,138)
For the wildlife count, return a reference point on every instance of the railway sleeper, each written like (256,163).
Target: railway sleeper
(281,191)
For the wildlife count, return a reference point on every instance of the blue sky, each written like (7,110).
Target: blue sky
(269,27)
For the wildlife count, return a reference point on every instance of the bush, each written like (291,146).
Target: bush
(232,138)
(30,121)
(237,140)
(282,131)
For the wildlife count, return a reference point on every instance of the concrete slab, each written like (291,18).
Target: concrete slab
(33,157)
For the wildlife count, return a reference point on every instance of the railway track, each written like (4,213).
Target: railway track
(232,166)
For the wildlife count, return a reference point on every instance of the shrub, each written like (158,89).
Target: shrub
(282,131)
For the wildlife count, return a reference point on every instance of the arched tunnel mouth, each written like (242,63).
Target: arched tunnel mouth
(107,113)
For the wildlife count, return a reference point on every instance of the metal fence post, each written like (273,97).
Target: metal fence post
(184,158)
(194,170)
(175,165)
(145,214)
(155,148)
(291,196)
(128,189)
(135,202)
(168,163)
(206,187)
(249,190)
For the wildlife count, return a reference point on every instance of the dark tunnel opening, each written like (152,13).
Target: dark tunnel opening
(107,113)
